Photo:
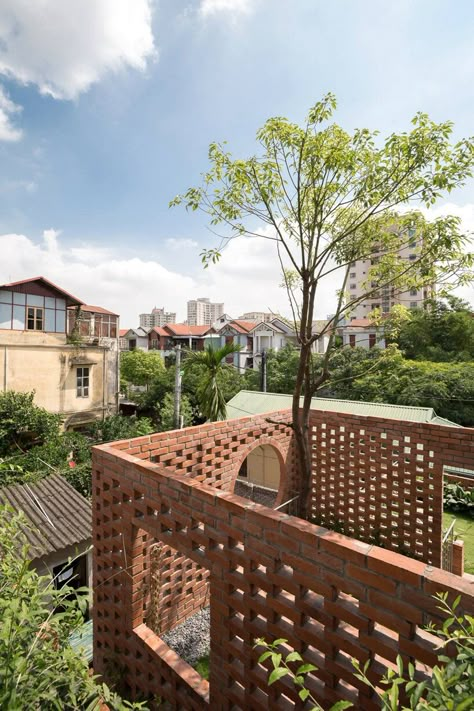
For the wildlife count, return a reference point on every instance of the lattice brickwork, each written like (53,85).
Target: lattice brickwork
(270,575)
(382,480)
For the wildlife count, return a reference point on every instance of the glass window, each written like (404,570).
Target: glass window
(82,381)
(34,318)
(412,257)
(19,299)
(413,304)
(352,275)
(34,300)
(5,296)
(49,320)
(353,286)
(49,302)
(60,321)
(5,316)
(60,304)
(18,318)
(413,292)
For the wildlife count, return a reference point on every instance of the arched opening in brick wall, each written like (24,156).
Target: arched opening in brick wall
(261,474)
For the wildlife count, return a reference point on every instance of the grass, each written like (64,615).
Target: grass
(464,528)
(202,666)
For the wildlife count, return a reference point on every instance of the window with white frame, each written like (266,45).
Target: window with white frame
(82,381)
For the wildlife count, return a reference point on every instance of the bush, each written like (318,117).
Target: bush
(458,500)
(39,669)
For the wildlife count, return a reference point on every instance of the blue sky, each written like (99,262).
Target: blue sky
(107,109)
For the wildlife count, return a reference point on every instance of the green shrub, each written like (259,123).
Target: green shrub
(458,500)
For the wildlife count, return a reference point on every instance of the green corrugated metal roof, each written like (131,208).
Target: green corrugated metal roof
(247,402)
(81,641)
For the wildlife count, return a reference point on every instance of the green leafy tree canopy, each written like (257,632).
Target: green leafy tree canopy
(326,198)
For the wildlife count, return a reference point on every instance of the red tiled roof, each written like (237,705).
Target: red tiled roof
(360,323)
(72,299)
(182,329)
(242,326)
(159,330)
(97,310)
(123,331)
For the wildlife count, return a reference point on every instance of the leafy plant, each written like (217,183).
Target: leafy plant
(209,390)
(451,687)
(23,424)
(293,666)
(39,669)
(325,198)
(458,500)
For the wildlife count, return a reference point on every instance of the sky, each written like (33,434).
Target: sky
(107,109)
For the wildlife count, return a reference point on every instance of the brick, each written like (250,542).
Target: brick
(272,575)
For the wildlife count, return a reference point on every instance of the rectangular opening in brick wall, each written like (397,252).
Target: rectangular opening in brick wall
(179,588)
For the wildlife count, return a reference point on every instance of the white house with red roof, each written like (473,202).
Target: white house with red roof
(64,350)
(362,333)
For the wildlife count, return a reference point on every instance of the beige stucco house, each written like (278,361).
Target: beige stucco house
(64,350)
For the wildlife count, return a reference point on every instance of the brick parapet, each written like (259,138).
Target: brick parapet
(270,575)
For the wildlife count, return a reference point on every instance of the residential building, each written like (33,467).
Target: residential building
(160,340)
(238,333)
(203,311)
(123,343)
(193,337)
(358,283)
(222,321)
(157,317)
(58,528)
(322,342)
(361,333)
(253,338)
(64,350)
(271,335)
(136,339)
(258,316)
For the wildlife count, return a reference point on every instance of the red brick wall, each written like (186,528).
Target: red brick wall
(382,480)
(270,574)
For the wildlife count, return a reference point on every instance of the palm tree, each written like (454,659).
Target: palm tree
(209,392)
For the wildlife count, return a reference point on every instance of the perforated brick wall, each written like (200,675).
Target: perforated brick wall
(382,480)
(270,575)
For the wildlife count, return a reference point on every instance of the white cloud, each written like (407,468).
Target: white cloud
(65,47)
(8,109)
(248,278)
(96,275)
(234,7)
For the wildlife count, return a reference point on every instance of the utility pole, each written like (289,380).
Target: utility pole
(263,372)
(177,389)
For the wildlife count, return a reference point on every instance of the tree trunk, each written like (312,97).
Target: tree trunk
(301,432)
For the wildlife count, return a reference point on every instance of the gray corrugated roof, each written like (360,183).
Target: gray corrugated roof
(58,515)
(247,402)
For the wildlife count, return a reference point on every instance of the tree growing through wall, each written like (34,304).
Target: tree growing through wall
(327,198)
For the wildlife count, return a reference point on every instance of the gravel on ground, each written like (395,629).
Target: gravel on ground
(191,639)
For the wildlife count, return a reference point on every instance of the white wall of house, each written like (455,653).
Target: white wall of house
(267,338)
(363,337)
